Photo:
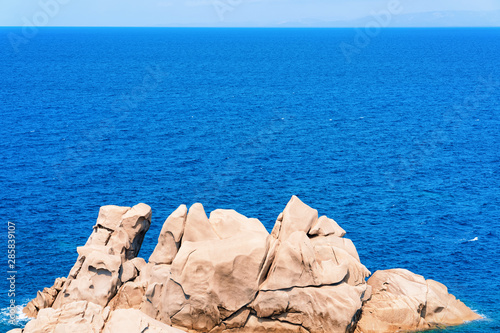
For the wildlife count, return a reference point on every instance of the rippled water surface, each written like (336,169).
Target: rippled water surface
(398,141)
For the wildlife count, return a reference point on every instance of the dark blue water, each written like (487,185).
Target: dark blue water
(399,143)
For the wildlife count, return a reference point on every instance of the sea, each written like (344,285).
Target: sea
(394,133)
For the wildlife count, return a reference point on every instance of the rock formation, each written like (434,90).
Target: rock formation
(404,301)
(226,273)
(44,299)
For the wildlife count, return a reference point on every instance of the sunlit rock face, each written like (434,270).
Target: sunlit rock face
(225,273)
(404,301)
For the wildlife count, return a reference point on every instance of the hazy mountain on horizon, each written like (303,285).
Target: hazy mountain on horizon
(424,19)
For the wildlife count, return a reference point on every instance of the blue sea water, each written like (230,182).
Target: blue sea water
(397,140)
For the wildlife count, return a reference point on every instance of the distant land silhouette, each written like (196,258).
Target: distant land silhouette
(424,19)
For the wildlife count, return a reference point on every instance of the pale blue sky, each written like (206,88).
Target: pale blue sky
(246,12)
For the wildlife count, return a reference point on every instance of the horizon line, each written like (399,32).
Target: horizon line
(248,27)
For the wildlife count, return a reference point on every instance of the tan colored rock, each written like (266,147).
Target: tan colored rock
(333,241)
(44,299)
(296,265)
(212,279)
(316,309)
(297,216)
(398,298)
(110,216)
(228,223)
(404,301)
(299,261)
(444,309)
(131,269)
(121,229)
(153,278)
(214,274)
(117,238)
(197,227)
(152,302)
(255,324)
(135,223)
(129,296)
(332,250)
(139,263)
(236,320)
(227,274)
(272,246)
(325,227)
(75,317)
(152,273)
(97,281)
(317,283)
(16,330)
(170,237)
(135,321)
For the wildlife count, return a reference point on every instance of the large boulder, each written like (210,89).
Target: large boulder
(87,317)
(117,238)
(329,308)
(297,216)
(74,317)
(404,301)
(316,281)
(325,226)
(135,321)
(170,237)
(215,273)
(44,299)
(198,227)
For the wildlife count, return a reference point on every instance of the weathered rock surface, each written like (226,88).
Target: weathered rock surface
(44,299)
(75,317)
(170,237)
(226,273)
(404,301)
(325,226)
(117,238)
(130,320)
(214,276)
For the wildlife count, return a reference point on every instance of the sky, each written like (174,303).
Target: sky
(249,13)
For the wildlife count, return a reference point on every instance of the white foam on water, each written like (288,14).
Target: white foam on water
(20,317)
(484,317)
(474,239)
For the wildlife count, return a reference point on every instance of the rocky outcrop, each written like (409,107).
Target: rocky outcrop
(226,273)
(103,264)
(170,237)
(44,299)
(404,301)
(78,316)
(99,269)
(215,273)
(130,320)
(315,280)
